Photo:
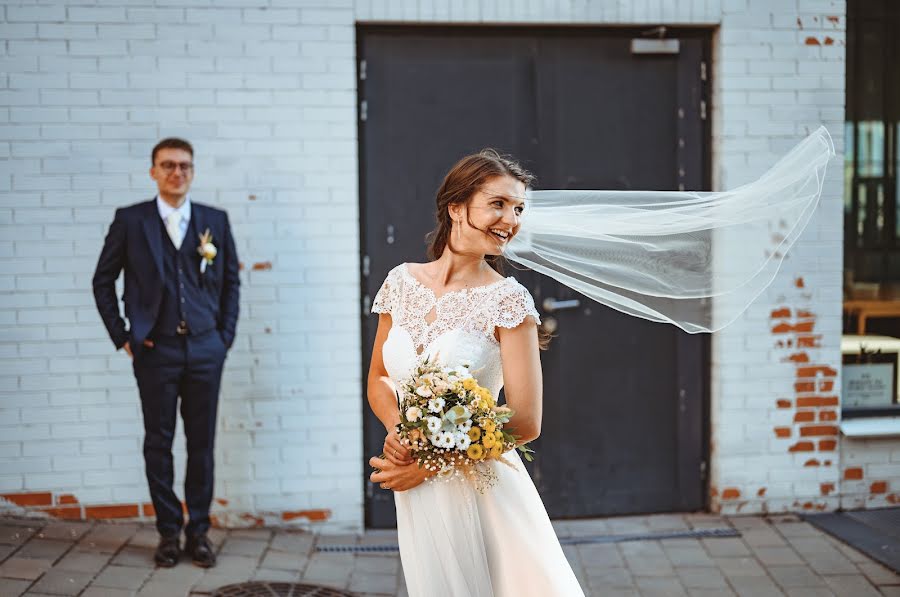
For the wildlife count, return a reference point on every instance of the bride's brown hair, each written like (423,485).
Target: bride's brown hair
(460,184)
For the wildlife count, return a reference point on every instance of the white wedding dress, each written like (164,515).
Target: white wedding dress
(455,541)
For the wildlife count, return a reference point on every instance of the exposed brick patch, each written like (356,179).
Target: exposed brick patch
(811,462)
(813,401)
(783,403)
(107,512)
(815,430)
(313,515)
(853,473)
(802,447)
(262,266)
(827,445)
(782,432)
(731,493)
(828,415)
(826,488)
(761,492)
(805,416)
(878,487)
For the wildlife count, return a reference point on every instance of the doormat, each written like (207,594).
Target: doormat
(697,534)
(876,533)
(278,589)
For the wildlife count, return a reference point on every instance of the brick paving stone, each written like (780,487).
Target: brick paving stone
(329,570)
(856,585)
(807,592)
(600,555)
(668,586)
(627,525)
(832,564)
(24,568)
(725,546)
(243,547)
(381,564)
(44,549)
(702,578)
(795,576)
(762,537)
(145,537)
(121,577)
(293,542)
(64,531)
(755,586)
(83,561)
(184,574)
(373,583)
(686,552)
(63,582)
(14,534)
(611,577)
(243,564)
(732,567)
(793,528)
(107,537)
(667,522)
(251,534)
(891,591)
(343,539)
(651,549)
(282,560)
(878,574)
(650,566)
(7,550)
(91,591)
(272,575)
(711,592)
(10,587)
(777,556)
(137,557)
(808,546)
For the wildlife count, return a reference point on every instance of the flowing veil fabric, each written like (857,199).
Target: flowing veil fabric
(651,254)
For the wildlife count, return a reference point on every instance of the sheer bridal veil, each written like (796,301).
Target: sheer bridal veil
(659,254)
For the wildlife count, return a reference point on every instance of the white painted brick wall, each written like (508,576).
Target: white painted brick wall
(265,90)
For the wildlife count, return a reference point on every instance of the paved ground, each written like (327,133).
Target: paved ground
(773,556)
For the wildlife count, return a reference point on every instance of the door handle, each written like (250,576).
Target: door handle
(551,304)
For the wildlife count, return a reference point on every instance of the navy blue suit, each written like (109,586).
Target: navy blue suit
(191,319)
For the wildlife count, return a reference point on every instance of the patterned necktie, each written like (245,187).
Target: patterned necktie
(173,227)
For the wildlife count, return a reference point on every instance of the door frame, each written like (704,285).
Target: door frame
(696,360)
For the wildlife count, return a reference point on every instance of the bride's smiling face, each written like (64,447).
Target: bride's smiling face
(490,219)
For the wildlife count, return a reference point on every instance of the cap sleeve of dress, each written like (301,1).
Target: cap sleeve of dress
(514,305)
(386,298)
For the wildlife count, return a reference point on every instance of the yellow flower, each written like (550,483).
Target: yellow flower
(488,441)
(475,434)
(499,435)
(469,384)
(475,451)
(488,425)
(496,452)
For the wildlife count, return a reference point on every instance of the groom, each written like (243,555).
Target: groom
(181,301)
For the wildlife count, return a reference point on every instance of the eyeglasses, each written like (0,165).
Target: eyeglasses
(169,167)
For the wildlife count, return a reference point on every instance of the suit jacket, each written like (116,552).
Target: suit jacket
(133,243)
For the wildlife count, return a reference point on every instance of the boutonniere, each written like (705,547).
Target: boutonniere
(207,250)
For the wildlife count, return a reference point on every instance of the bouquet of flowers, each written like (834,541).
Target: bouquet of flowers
(451,424)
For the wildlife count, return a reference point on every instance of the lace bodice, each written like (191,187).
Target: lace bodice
(463,326)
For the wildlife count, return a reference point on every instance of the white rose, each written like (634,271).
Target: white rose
(424,391)
(209,251)
(413,413)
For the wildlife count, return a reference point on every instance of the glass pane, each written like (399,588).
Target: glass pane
(871,148)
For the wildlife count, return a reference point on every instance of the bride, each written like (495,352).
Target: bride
(455,540)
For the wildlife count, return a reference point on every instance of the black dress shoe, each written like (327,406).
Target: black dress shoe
(167,552)
(201,551)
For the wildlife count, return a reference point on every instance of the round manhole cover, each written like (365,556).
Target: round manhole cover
(278,589)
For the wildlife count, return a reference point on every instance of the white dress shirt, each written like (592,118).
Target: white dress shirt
(185,210)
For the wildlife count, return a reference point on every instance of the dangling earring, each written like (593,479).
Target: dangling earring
(458,231)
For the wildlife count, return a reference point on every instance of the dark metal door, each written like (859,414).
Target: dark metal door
(624,399)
